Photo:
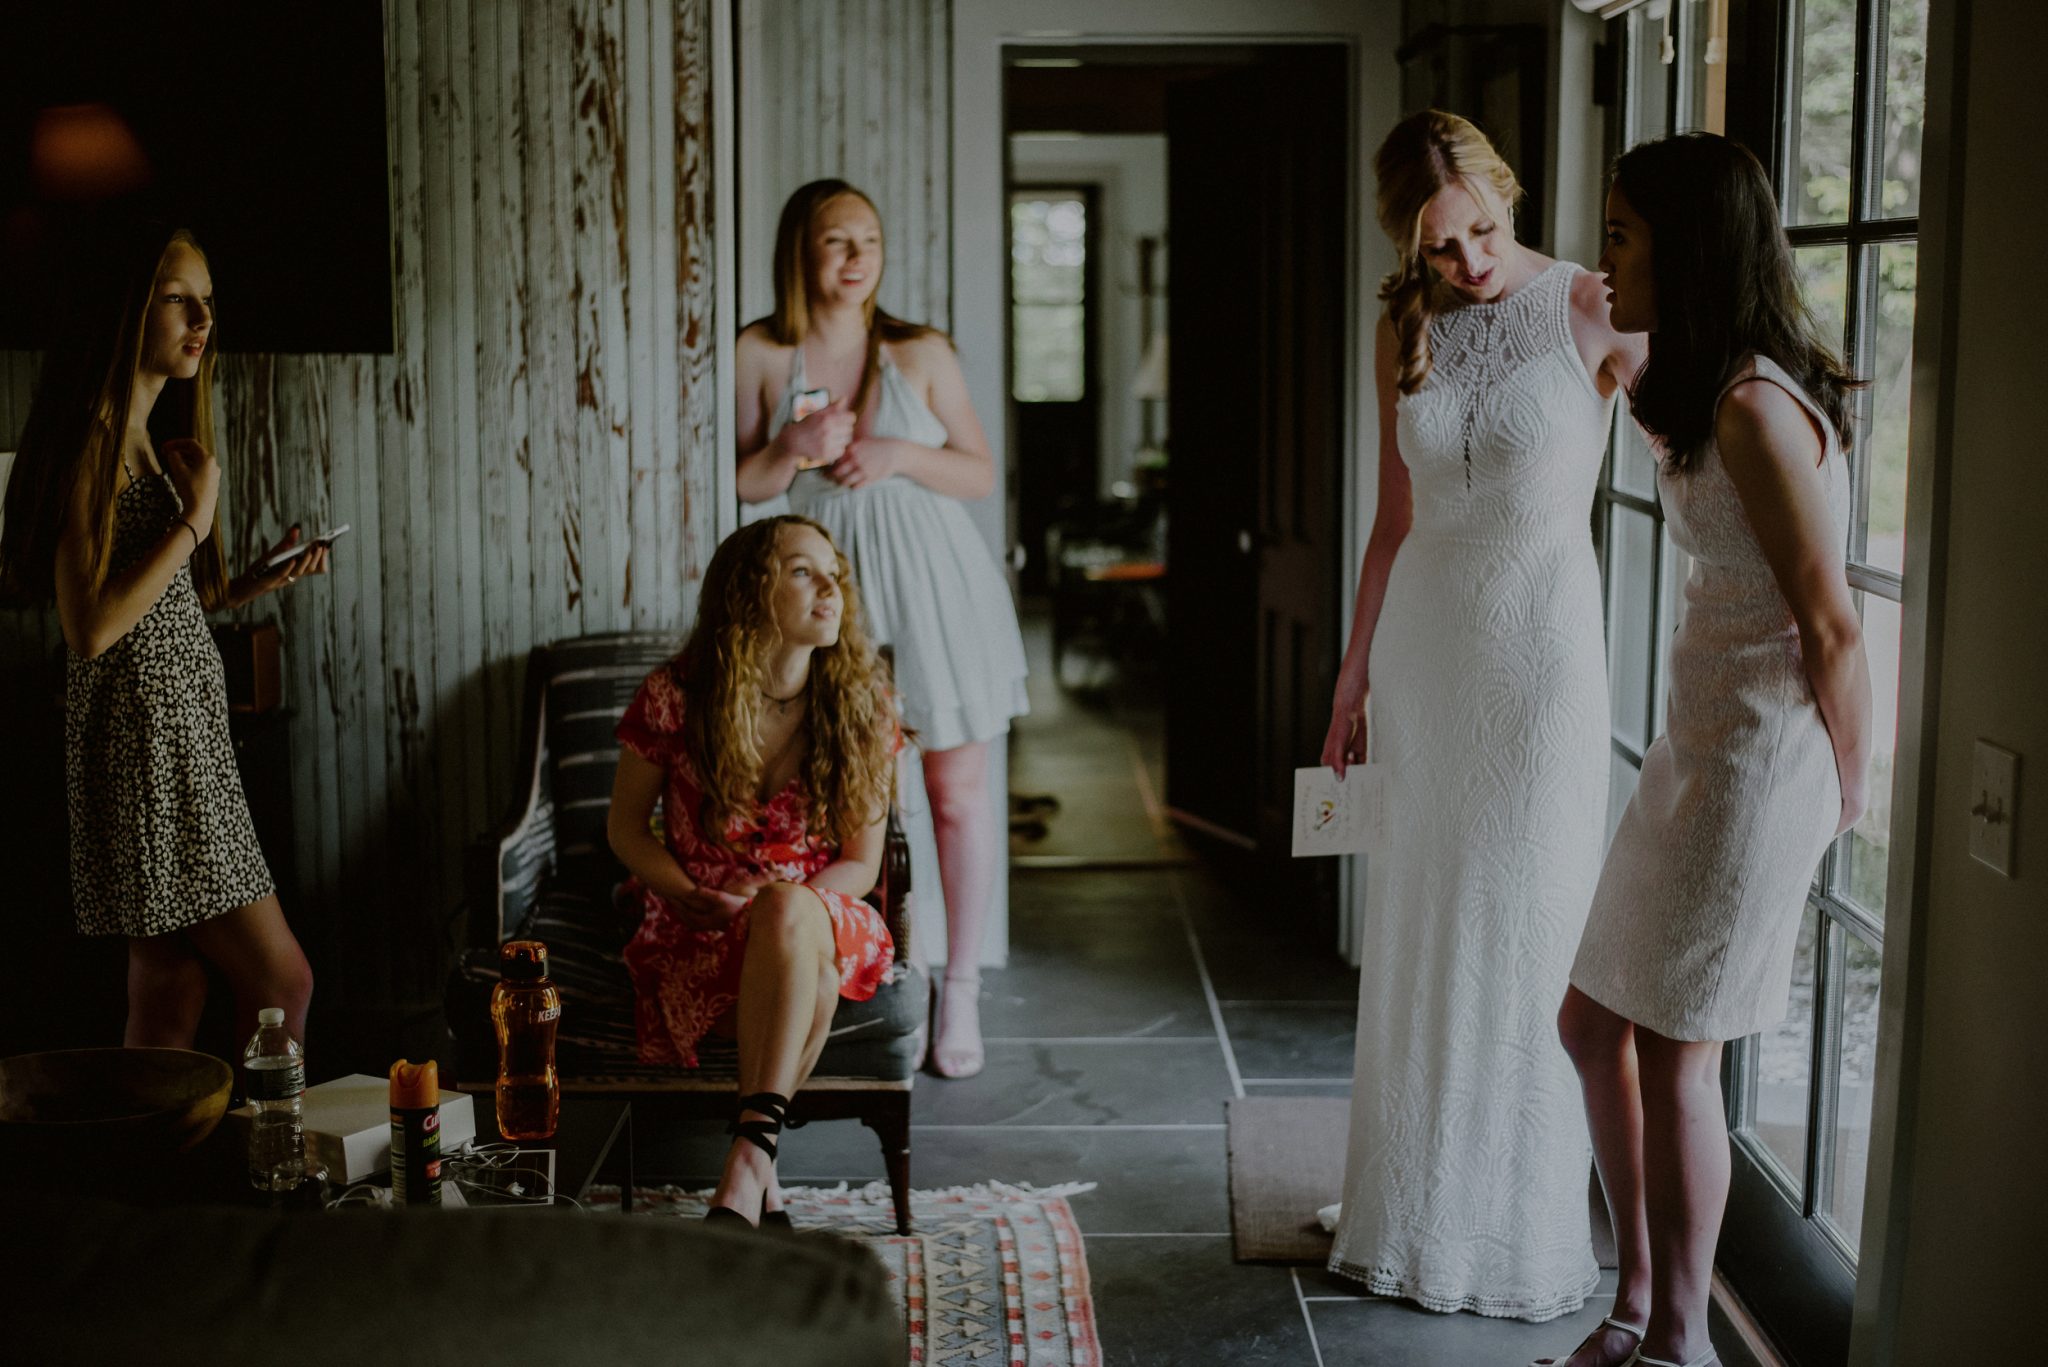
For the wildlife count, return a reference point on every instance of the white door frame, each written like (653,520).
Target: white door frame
(1370,29)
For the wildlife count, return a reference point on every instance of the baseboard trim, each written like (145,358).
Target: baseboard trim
(1742,1341)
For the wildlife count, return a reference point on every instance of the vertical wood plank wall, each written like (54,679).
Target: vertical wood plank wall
(537,458)
(860,90)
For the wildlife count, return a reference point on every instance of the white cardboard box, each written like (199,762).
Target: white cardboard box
(348,1125)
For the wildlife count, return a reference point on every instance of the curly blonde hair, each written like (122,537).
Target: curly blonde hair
(849,770)
(1426,153)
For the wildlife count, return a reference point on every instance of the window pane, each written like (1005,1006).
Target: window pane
(1650,81)
(1670,612)
(1048,248)
(1697,19)
(1635,468)
(1824,285)
(1903,105)
(1890,372)
(1046,353)
(1868,847)
(1621,786)
(1784,1065)
(1822,99)
(1048,259)
(1858,1075)
(1631,552)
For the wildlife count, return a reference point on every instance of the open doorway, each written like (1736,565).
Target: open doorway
(1177,236)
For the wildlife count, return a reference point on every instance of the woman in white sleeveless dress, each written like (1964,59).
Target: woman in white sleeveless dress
(885,448)
(1478,630)
(1691,937)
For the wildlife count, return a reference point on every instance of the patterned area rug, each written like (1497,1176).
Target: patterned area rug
(990,1274)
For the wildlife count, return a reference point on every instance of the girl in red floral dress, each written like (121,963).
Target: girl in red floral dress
(770,744)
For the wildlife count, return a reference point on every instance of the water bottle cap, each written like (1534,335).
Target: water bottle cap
(523,960)
(270,1015)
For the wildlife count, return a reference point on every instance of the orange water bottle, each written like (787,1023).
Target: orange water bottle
(525,1009)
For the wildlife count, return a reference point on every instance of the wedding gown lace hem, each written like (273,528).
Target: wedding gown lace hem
(1386,1282)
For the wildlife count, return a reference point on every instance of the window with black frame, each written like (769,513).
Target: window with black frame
(1845,156)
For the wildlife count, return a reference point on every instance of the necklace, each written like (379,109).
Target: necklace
(782,705)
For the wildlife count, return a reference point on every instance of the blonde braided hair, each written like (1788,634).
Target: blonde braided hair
(1427,153)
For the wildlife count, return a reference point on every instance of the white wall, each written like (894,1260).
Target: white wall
(1131,204)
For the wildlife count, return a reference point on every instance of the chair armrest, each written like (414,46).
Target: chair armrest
(505,866)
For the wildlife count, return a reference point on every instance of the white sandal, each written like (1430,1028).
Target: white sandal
(1708,1359)
(1609,1323)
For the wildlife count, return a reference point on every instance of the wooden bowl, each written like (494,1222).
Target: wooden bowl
(124,1106)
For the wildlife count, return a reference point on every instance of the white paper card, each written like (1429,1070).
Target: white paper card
(1333,816)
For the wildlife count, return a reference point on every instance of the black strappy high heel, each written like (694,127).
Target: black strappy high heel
(762,1134)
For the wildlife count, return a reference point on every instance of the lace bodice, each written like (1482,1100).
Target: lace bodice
(1507,388)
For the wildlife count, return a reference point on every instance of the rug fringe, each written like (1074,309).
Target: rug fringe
(979,1191)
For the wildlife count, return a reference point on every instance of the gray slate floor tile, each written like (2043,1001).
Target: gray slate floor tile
(1064,1083)
(1292,1039)
(1179,1302)
(1386,1333)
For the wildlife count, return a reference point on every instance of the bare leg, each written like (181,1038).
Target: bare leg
(788,957)
(257,951)
(166,992)
(1685,1167)
(964,826)
(1603,1047)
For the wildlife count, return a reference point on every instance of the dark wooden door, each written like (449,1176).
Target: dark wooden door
(1257,187)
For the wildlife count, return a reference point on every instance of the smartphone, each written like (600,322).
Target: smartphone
(807,402)
(326,538)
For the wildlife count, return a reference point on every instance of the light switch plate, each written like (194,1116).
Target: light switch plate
(1994,791)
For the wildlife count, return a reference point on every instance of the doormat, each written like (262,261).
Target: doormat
(989,1274)
(1286,1163)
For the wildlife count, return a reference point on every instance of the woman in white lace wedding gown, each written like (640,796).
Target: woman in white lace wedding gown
(1479,629)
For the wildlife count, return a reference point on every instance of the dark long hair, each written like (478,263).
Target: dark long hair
(1726,290)
(78,420)
(792,316)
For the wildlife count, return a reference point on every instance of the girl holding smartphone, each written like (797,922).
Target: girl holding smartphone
(111,511)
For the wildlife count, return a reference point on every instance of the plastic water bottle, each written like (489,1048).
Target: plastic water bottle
(274,1067)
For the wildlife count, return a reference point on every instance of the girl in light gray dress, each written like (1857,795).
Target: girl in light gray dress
(863,421)
(1762,764)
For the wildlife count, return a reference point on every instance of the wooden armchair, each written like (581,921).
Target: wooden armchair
(548,873)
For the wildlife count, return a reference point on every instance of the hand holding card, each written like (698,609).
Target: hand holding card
(1339,816)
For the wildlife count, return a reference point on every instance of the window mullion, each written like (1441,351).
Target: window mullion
(1791,36)
(1859,354)
(1824,1096)
(1866,145)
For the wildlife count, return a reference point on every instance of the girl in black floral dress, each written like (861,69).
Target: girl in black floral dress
(111,512)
